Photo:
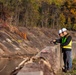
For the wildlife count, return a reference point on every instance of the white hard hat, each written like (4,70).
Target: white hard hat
(64,29)
(60,31)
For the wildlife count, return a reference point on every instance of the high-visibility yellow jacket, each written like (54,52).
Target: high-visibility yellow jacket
(67,42)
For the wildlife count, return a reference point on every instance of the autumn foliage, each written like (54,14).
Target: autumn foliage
(39,13)
(15,30)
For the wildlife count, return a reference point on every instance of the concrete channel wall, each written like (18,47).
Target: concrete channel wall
(49,66)
(53,55)
(74,50)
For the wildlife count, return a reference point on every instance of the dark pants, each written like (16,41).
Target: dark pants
(67,59)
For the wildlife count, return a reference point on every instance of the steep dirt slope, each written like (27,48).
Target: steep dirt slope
(36,39)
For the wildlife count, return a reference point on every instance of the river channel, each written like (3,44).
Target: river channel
(8,65)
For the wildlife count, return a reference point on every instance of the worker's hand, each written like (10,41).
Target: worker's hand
(54,40)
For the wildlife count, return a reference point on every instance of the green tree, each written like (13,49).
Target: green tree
(62,20)
(69,25)
(74,27)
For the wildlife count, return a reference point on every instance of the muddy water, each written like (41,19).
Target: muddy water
(8,65)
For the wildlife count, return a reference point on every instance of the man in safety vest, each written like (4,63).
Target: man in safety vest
(66,48)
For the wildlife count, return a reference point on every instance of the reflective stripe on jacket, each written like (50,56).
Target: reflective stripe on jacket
(69,45)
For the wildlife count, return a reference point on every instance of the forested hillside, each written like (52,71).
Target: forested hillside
(41,13)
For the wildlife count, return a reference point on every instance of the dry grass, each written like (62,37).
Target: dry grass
(72,72)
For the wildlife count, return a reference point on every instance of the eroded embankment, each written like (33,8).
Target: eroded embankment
(14,45)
